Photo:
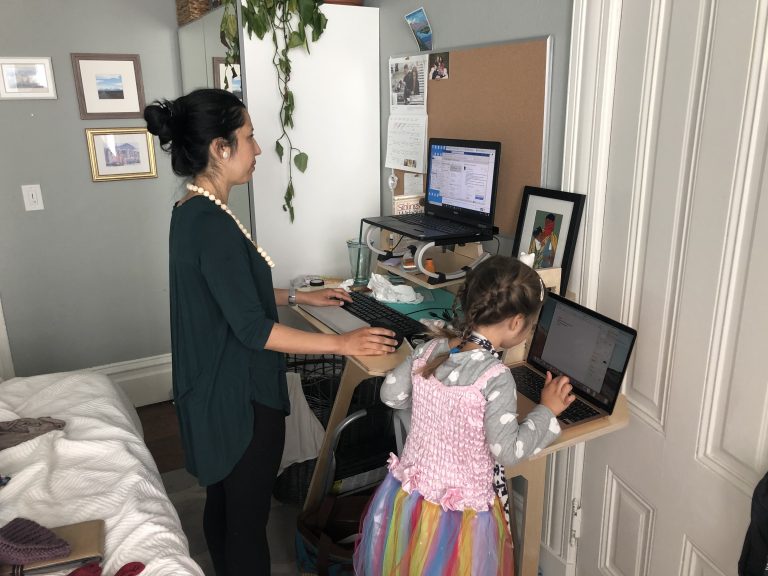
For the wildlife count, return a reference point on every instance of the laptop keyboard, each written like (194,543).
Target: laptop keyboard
(530,384)
(369,309)
(435,223)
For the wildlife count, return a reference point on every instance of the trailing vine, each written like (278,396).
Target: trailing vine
(286,21)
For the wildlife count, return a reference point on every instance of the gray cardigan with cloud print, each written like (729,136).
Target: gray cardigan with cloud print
(510,441)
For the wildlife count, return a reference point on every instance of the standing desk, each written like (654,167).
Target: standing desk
(533,470)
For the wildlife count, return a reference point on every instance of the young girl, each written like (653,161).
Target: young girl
(436,512)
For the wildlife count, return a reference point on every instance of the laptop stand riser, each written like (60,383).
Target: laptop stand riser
(433,277)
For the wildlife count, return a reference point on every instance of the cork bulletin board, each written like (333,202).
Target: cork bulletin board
(495,92)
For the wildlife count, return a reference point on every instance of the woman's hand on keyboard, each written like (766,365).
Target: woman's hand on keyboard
(368,341)
(556,394)
(324,297)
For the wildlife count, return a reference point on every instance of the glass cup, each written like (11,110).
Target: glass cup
(359,261)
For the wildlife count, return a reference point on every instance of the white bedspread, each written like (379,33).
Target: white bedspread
(97,467)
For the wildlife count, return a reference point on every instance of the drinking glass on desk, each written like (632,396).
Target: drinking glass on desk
(359,261)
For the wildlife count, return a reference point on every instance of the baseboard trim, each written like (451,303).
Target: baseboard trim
(144,380)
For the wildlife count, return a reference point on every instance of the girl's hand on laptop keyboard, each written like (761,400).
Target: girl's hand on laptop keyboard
(369,341)
(556,394)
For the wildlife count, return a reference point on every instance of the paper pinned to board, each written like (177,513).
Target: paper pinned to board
(413,184)
(406,142)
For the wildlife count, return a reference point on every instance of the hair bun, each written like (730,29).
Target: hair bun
(159,118)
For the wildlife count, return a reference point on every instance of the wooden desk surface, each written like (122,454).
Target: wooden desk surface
(580,432)
(380,365)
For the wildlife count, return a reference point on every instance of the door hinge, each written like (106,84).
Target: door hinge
(575,522)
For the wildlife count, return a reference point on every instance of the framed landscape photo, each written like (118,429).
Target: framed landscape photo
(26,78)
(121,153)
(548,226)
(108,85)
(227,77)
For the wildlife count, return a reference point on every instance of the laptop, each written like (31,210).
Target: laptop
(462,183)
(589,348)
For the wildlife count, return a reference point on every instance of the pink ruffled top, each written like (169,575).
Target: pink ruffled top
(446,458)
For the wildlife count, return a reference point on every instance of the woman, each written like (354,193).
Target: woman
(228,371)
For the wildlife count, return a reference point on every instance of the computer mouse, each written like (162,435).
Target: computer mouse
(384,323)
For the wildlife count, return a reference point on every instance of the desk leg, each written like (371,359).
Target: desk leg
(350,378)
(534,472)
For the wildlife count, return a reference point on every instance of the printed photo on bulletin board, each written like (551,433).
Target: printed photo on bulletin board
(548,227)
(408,84)
(422,31)
(438,65)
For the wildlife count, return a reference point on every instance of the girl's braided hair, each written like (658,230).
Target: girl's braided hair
(497,289)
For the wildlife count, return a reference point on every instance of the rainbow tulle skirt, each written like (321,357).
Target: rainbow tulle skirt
(404,534)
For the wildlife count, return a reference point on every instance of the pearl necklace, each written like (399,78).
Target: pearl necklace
(212,197)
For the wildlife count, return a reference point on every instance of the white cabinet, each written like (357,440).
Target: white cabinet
(336,90)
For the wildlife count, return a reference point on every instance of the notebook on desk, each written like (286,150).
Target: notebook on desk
(462,182)
(589,348)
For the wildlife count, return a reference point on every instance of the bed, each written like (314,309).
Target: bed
(96,467)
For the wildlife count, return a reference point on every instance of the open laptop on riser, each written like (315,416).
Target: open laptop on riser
(589,348)
(462,182)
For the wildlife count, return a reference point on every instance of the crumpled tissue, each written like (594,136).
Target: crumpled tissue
(385,291)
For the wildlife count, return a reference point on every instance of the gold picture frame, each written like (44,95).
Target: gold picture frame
(120,153)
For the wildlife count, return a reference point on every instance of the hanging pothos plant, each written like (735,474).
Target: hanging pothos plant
(286,21)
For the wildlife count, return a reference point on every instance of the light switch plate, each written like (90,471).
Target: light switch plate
(33,197)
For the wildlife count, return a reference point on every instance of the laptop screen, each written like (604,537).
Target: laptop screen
(462,179)
(591,349)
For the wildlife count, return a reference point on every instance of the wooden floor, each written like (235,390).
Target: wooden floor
(161,434)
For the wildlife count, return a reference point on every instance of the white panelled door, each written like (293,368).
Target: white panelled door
(682,259)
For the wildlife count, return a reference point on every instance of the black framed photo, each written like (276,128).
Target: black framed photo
(548,227)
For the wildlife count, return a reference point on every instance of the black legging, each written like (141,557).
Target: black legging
(237,508)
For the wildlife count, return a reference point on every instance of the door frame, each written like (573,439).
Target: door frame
(595,31)
(6,361)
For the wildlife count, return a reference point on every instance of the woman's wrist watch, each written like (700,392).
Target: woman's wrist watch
(292,296)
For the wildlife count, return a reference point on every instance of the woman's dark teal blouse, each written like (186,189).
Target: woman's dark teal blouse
(222,311)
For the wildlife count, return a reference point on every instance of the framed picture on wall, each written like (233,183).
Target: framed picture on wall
(120,153)
(108,85)
(548,227)
(227,77)
(26,78)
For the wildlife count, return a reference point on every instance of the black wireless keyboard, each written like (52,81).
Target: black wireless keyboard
(369,310)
